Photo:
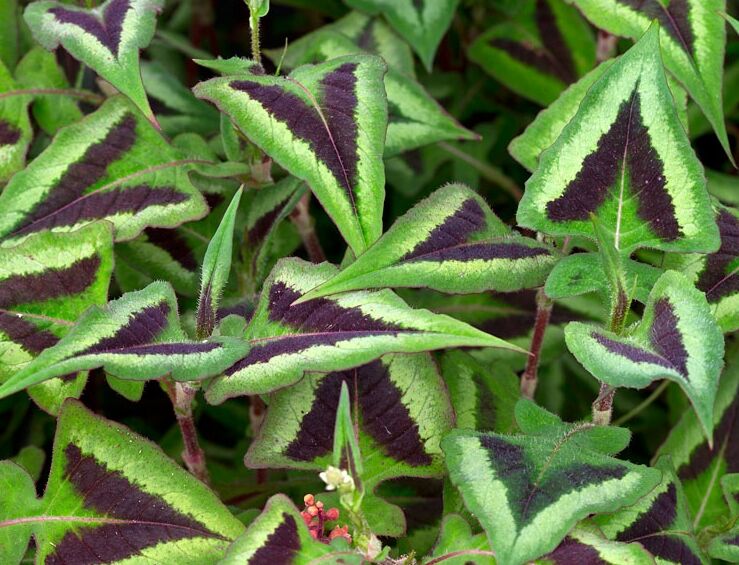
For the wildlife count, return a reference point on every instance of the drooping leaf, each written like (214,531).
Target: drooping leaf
(111,165)
(693,42)
(325,124)
(331,334)
(677,339)
(422,23)
(451,242)
(455,538)
(15,126)
(46,283)
(102,506)
(402,411)
(624,158)
(107,38)
(529,490)
(544,49)
(136,337)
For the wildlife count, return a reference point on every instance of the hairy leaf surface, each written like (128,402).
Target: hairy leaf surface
(15,126)
(586,544)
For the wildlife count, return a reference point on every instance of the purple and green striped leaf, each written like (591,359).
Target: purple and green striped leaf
(107,38)
(624,158)
(422,23)
(46,283)
(331,334)
(677,339)
(102,505)
(326,125)
(529,490)
(402,410)
(451,242)
(136,337)
(726,546)
(693,40)
(112,165)
(15,127)
(547,47)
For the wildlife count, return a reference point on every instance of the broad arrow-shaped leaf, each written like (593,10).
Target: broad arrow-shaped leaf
(331,334)
(586,544)
(15,126)
(529,490)
(106,38)
(103,506)
(112,165)
(693,43)
(548,46)
(422,23)
(624,158)
(402,410)
(326,125)
(450,242)
(46,283)
(677,339)
(135,337)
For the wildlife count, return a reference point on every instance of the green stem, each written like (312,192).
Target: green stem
(256,54)
(646,402)
(493,174)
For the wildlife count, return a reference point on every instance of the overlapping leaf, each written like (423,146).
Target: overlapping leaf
(677,339)
(402,410)
(587,544)
(458,545)
(106,38)
(102,506)
(111,165)
(451,242)
(624,158)
(326,125)
(331,334)
(135,337)
(529,490)
(15,126)
(726,546)
(545,48)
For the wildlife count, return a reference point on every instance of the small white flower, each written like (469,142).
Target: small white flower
(337,478)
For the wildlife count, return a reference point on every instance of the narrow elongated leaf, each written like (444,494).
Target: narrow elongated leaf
(586,544)
(677,339)
(529,490)
(421,22)
(111,165)
(15,127)
(625,158)
(450,242)
(102,506)
(331,334)
(106,38)
(135,337)
(693,43)
(402,410)
(547,47)
(326,125)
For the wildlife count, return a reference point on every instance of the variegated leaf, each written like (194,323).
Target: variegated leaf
(15,126)
(102,506)
(325,124)
(331,334)
(107,38)
(111,165)
(726,546)
(451,242)
(624,158)
(585,544)
(677,339)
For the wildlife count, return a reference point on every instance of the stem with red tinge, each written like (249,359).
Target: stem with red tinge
(302,219)
(182,396)
(529,378)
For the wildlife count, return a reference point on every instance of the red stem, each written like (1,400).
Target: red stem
(193,456)
(529,379)
(304,222)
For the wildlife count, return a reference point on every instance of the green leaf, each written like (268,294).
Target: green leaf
(677,339)
(655,196)
(422,23)
(346,442)
(451,242)
(32,459)
(402,410)
(331,334)
(136,337)
(9,34)
(693,42)
(46,283)
(107,39)
(111,165)
(15,126)
(455,537)
(325,124)
(726,546)
(545,48)
(101,504)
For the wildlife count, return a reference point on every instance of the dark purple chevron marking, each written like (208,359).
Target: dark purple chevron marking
(108,31)
(601,175)
(485,251)
(142,329)
(281,546)
(486,409)
(149,519)
(571,551)
(25,334)
(9,134)
(366,38)
(732,541)
(717,279)
(167,349)
(675,18)
(631,352)
(455,230)
(174,244)
(256,234)
(666,338)
(243,309)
